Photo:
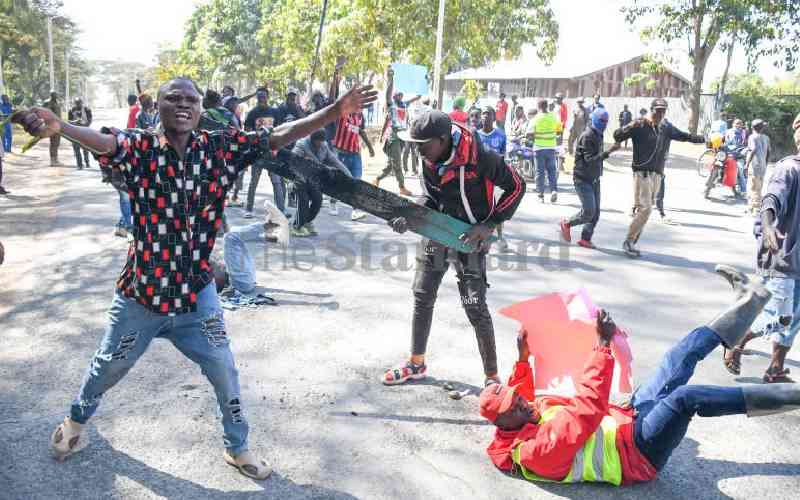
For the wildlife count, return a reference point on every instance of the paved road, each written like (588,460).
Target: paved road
(309,368)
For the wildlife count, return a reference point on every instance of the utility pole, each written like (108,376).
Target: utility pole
(66,78)
(50,52)
(437,64)
(2,83)
(319,42)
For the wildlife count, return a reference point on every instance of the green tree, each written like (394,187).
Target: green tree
(472,90)
(763,27)
(23,43)
(750,97)
(373,33)
(649,69)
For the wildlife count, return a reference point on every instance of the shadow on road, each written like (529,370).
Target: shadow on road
(108,464)
(420,419)
(686,466)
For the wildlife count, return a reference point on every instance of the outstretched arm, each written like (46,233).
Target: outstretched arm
(41,122)
(389,86)
(354,100)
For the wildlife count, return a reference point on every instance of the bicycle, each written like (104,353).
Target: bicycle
(706,162)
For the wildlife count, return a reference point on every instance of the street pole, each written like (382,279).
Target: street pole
(66,78)
(437,64)
(2,83)
(50,52)
(319,42)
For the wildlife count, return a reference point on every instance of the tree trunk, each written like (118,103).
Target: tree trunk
(724,80)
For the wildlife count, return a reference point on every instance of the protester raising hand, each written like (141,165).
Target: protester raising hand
(355,100)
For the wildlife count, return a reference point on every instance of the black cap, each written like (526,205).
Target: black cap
(431,124)
(659,103)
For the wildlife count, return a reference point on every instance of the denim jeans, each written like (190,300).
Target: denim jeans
(239,263)
(352,161)
(665,404)
(7,137)
(784,303)
(741,176)
(545,160)
(126,218)
(199,335)
(278,189)
(589,194)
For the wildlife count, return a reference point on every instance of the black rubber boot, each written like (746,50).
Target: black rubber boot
(732,325)
(770,399)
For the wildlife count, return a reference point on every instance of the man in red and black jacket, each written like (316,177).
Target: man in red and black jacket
(459,177)
(585,438)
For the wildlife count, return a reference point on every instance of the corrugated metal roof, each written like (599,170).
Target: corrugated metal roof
(534,68)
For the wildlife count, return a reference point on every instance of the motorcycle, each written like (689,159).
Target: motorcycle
(725,169)
(521,158)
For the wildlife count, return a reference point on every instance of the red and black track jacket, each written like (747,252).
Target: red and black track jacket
(464,186)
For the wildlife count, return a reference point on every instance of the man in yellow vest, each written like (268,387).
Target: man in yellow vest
(584,438)
(543,132)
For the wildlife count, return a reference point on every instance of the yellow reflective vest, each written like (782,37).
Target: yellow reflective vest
(597,461)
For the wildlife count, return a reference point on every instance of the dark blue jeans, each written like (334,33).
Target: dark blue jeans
(665,404)
(545,160)
(589,194)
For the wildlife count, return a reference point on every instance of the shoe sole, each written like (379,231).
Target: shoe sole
(403,380)
(230,461)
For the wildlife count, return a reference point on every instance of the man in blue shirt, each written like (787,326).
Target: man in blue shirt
(5,111)
(493,139)
(491,136)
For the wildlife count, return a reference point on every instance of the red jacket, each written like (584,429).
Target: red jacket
(563,114)
(132,112)
(548,449)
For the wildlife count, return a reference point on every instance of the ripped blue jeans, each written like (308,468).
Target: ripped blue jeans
(199,335)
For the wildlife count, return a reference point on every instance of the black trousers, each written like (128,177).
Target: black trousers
(309,201)
(432,264)
(76,149)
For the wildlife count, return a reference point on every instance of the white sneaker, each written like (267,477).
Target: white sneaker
(666,220)
(357,214)
(334,209)
(502,245)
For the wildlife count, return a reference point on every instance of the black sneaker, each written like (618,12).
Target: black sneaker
(630,250)
(541,198)
(3,190)
(553,197)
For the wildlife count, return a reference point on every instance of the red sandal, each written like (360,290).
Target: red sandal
(401,375)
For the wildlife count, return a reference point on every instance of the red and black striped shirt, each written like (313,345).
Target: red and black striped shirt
(347,133)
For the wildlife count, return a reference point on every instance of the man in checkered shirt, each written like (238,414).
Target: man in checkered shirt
(177,184)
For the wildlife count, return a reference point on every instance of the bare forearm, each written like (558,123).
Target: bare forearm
(292,131)
(365,138)
(92,140)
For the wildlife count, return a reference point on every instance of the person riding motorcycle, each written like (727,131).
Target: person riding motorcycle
(520,152)
(722,150)
(736,144)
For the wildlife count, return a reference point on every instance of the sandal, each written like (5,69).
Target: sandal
(248,465)
(777,377)
(403,374)
(65,439)
(733,365)
(264,300)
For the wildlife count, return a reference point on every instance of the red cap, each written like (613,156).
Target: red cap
(496,399)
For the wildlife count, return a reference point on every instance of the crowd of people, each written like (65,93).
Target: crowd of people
(200,144)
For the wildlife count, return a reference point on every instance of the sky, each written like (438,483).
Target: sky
(590,30)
